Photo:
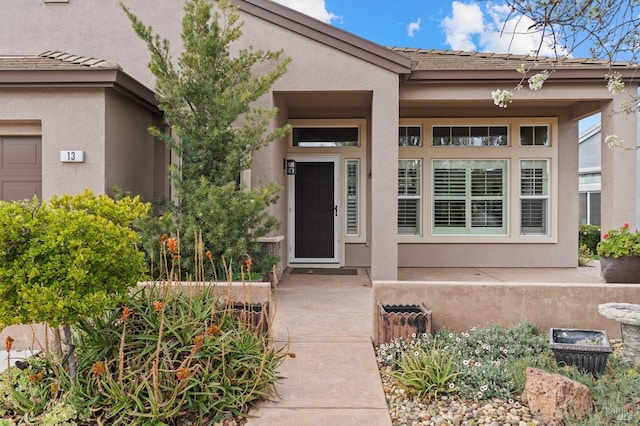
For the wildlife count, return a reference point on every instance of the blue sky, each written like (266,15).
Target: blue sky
(469,25)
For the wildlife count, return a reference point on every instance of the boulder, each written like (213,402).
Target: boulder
(553,397)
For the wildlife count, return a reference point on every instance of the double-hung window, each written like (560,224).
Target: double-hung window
(470,197)
(534,197)
(409,196)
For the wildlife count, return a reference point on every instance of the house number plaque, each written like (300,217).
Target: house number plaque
(72,156)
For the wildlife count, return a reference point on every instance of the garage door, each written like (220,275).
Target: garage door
(20,167)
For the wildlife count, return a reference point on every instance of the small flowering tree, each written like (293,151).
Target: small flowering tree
(611,29)
(68,259)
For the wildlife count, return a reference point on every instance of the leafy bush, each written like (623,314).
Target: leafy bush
(589,235)
(584,255)
(170,356)
(67,259)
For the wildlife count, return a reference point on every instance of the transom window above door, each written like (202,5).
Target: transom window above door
(325,137)
(470,136)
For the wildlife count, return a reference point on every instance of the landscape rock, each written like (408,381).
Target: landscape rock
(554,396)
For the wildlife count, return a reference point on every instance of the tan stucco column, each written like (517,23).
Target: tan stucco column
(384,183)
(619,167)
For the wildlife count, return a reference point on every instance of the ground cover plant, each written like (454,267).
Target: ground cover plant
(485,363)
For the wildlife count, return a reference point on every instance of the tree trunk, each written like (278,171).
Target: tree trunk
(70,354)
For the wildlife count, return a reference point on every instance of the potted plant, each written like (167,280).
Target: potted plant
(619,253)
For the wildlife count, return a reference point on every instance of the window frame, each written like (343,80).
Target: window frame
(544,196)
(512,152)
(343,153)
(418,197)
(356,162)
(469,198)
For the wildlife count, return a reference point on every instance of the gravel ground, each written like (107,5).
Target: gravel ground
(453,410)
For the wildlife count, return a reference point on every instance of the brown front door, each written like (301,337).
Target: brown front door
(315,211)
(20,167)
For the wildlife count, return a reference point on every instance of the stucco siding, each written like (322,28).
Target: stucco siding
(130,149)
(71,119)
(89,28)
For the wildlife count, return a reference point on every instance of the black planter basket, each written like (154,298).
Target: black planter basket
(587,350)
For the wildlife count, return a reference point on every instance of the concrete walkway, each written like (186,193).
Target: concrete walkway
(333,379)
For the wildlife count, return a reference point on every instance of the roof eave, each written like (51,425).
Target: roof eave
(504,75)
(326,34)
(89,77)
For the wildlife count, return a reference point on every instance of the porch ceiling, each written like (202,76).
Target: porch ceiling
(301,104)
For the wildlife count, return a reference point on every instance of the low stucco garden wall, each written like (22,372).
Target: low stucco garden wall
(462,305)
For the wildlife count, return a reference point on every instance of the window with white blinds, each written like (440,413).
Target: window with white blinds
(534,197)
(409,196)
(352,227)
(470,197)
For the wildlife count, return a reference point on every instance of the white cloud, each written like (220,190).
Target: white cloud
(314,8)
(467,20)
(413,27)
(492,30)
(511,34)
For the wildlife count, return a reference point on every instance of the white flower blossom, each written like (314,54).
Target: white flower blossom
(614,142)
(615,85)
(536,81)
(502,98)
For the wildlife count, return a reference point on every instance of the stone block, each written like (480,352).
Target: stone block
(554,396)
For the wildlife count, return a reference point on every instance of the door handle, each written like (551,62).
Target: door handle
(335,211)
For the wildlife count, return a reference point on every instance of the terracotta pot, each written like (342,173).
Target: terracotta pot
(623,269)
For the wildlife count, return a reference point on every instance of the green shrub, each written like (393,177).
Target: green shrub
(584,255)
(589,235)
(68,258)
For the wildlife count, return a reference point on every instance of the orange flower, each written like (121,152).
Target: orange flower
(209,255)
(97,369)
(248,263)
(125,313)
(172,245)
(197,342)
(213,330)
(183,373)
(163,238)
(9,343)
(158,305)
